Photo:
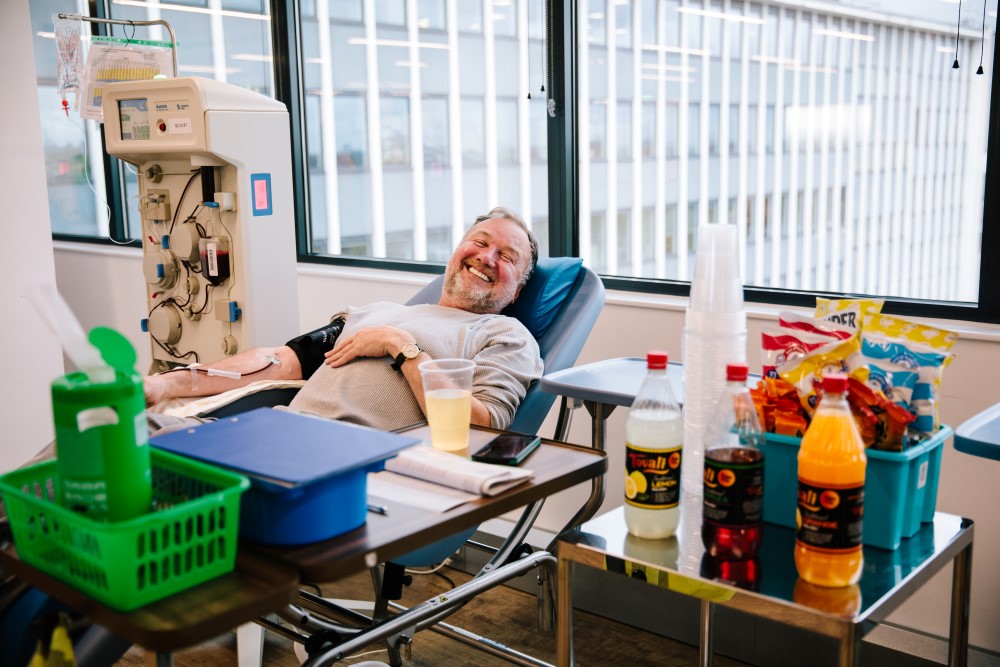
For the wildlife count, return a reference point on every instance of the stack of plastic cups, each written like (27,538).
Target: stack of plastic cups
(715,334)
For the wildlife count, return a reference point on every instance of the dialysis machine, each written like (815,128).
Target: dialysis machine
(218,227)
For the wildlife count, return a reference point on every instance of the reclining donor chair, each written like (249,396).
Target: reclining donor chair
(559,306)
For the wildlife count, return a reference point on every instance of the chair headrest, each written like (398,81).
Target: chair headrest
(540,300)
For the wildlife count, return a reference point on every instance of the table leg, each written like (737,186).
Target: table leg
(565,417)
(850,649)
(599,413)
(154,659)
(564,614)
(705,650)
(961,583)
(250,645)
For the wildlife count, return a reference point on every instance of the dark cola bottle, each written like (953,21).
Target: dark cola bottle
(733,501)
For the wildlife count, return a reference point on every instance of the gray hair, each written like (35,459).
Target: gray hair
(503,213)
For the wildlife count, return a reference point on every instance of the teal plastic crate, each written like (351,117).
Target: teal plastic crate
(900,487)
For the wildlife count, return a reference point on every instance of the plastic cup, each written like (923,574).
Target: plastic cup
(716,287)
(448,396)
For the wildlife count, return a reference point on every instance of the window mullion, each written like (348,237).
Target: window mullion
(288,85)
(561,84)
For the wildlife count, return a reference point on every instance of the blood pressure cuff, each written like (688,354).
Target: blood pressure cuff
(310,347)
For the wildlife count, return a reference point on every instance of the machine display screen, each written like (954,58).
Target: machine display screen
(134,118)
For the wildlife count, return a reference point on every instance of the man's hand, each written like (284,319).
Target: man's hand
(154,386)
(372,342)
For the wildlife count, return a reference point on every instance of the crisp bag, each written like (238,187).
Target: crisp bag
(928,365)
(919,347)
(847,312)
(781,347)
(788,319)
(806,374)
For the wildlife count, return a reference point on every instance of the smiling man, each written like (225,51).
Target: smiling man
(369,373)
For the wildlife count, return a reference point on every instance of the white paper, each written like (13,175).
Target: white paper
(446,469)
(414,492)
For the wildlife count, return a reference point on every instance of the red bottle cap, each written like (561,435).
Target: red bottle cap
(656,361)
(737,372)
(835,383)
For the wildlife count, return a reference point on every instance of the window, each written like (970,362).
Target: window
(787,119)
(810,72)
(395,130)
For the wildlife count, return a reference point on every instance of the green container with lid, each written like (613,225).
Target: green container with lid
(102,448)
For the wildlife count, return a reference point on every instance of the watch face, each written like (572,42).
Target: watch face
(410,350)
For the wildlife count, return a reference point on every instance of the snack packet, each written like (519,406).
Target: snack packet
(788,319)
(806,374)
(778,407)
(847,312)
(894,381)
(881,422)
(899,328)
(929,366)
(780,347)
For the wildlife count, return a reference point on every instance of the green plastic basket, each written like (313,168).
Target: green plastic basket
(188,538)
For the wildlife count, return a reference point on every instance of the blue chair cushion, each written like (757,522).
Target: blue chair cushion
(543,296)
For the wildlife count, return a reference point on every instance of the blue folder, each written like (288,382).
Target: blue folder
(284,448)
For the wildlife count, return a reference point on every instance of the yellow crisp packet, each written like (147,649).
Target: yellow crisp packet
(902,329)
(847,312)
(807,372)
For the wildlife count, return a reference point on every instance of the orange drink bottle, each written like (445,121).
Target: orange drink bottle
(831,492)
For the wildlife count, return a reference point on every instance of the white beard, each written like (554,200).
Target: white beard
(484,299)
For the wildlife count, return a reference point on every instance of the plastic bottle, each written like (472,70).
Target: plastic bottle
(741,573)
(102,450)
(733,495)
(831,492)
(653,436)
(844,601)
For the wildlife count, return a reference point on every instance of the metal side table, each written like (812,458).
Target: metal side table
(889,578)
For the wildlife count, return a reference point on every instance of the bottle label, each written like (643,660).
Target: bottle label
(829,517)
(733,491)
(652,477)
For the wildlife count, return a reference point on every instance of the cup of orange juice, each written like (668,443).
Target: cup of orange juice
(448,396)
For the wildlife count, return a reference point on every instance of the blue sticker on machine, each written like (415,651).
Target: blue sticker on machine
(260,190)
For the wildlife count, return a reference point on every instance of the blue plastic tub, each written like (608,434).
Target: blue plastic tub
(308,475)
(272,514)
(900,487)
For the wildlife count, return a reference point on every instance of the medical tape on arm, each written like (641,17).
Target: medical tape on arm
(194,375)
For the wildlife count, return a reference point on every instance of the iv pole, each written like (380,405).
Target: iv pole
(173,39)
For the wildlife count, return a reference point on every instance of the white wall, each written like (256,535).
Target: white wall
(31,356)
(105,286)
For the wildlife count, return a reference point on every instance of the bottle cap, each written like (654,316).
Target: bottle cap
(656,360)
(834,383)
(737,372)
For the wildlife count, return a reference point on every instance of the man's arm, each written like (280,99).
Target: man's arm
(253,365)
(386,341)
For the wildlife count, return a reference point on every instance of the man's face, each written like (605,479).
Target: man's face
(484,273)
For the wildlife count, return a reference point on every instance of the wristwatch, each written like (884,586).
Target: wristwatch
(409,351)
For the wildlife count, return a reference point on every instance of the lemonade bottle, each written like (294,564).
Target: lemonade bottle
(653,435)
(831,492)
